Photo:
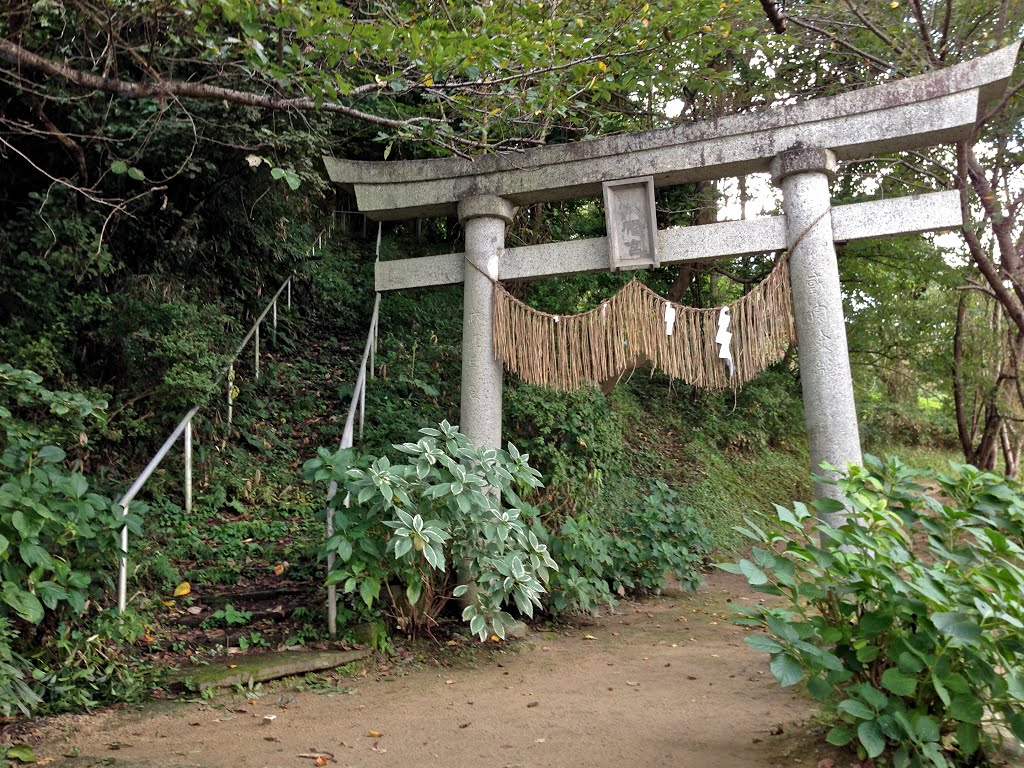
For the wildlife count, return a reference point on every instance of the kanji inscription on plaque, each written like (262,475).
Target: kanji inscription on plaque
(631,222)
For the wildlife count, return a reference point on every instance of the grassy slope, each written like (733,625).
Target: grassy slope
(727,458)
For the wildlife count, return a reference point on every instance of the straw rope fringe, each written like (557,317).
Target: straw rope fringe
(571,351)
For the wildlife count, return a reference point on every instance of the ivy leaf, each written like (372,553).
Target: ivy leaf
(754,574)
(120,167)
(786,669)
(856,708)
(344,550)
(369,590)
(51,454)
(967,709)
(762,643)
(870,735)
(899,683)
(413,591)
(24,603)
(968,738)
(957,625)
(839,736)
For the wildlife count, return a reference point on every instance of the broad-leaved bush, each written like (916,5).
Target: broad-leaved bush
(907,621)
(58,546)
(446,522)
(631,554)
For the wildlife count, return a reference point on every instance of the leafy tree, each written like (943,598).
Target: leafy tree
(831,46)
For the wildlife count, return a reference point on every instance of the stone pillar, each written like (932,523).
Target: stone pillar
(484,219)
(831,416)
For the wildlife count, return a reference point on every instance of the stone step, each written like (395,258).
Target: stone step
(261,667)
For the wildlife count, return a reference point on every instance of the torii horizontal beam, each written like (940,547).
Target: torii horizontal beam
(934,108)
(935,211)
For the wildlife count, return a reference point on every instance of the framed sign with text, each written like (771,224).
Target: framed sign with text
(632,223)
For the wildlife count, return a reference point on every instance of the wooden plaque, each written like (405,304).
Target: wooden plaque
(631,222)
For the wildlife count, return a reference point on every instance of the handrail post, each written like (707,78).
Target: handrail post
(231,395)
(275,322)
(122,568)
(362,407)
(188,468)
(256,339)
(129,496)
(358,393)
(332,590)
(289,284)
(373,350)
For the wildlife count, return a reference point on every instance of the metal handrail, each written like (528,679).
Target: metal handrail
(347,440)
(185,426)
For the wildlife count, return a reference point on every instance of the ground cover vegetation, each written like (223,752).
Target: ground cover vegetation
(162,176)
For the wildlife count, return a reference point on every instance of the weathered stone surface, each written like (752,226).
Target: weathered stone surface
(802,160)
(904,215)
(480,418)
(829,410)
(371,633)
(262,667)
(933,212)
(485,205)
(631,223)
(920,111)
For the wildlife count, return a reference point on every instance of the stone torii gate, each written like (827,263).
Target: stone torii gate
(799,144)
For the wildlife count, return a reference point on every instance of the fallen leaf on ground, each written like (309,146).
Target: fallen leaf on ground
(375,734)
(589,637)
(182,589)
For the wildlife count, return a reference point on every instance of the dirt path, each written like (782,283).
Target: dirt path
(663,683)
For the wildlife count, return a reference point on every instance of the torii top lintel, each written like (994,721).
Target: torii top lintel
(933,108)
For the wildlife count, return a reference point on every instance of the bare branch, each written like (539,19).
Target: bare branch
(879,64)
(774,14)
(924,32)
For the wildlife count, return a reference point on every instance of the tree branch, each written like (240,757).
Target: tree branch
(22,58)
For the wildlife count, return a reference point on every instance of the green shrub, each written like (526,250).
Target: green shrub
(907,620)
(16,695)
(583,549)
(58,545)
(57,539)
(576,438)
(631,555)
(448,509)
